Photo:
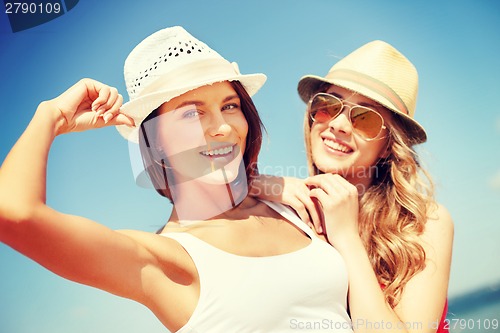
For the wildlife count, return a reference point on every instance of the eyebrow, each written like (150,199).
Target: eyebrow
(198,102)
(365,104)
(372,106)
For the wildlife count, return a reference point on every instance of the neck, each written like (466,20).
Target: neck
(195,201)
(361,183)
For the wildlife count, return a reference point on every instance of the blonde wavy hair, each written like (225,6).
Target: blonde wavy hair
(392,211)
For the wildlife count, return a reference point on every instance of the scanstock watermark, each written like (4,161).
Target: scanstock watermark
(359,324)
(27,14)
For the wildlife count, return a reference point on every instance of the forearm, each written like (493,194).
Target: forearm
(369,310)
(23,173)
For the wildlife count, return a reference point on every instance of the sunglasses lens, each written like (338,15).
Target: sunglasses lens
(366,122)
(323,108)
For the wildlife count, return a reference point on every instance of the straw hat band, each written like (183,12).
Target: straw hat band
(200,71)
(371,83)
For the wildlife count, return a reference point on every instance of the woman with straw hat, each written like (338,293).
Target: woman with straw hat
(225,262)
(376,201)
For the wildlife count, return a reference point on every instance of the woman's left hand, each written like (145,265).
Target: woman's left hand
(339,206)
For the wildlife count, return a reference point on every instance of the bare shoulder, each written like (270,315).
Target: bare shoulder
(168,252)
(439,222)
(171,284)
(437,238)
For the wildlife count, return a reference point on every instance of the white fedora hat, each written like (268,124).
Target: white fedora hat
(169,63)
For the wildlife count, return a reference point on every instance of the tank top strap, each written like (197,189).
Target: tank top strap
(291,216)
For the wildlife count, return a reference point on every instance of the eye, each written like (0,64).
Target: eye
(231,107)
(190,114)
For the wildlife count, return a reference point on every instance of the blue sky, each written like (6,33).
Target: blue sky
(454,45)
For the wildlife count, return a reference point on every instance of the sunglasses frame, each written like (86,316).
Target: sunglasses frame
(344,105)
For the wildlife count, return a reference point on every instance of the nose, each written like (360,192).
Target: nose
(341,123)
(218,126)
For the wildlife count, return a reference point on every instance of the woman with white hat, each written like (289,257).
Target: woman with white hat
(225,262)
(376,201)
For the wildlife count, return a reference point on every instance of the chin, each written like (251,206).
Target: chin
(231,172)
(219,177)
(334,168)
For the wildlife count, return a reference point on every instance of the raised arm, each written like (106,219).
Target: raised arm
(73,247)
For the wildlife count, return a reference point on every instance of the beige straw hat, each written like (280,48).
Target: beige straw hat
(380,72)
(169,63)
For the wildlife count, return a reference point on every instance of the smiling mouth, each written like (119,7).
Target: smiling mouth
(334,145)
(218,152)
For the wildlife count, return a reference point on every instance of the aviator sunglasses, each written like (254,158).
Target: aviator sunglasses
(367,123)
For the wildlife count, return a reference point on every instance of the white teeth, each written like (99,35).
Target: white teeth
(337,146)
(216,152)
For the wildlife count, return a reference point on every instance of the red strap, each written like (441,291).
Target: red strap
(442,328)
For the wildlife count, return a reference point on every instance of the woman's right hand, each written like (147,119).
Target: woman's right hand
(338,200)
(88,104)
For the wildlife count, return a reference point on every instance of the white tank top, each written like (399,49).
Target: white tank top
(305,290)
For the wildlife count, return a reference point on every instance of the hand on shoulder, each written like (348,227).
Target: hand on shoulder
(290,191)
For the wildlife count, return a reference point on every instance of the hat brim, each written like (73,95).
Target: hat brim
(311,84)
(139,108)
